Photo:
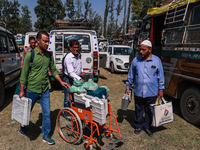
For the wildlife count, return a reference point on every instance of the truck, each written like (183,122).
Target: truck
(80,30)
(174,30)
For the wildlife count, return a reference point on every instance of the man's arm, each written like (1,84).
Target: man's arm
(24,74)
(22,93)
(130,78)
(161,80)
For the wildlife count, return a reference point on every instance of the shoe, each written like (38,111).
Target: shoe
(148,132)
(23,131)
(48,139)
(137,131)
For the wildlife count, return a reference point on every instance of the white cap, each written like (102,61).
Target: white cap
(147,43)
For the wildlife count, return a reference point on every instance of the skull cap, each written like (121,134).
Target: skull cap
(147,43)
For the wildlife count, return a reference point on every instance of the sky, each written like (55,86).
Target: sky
(97,5)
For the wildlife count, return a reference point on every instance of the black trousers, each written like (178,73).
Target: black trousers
(142,105)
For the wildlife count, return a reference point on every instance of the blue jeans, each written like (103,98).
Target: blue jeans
(44,98)
(142,105)
(67,101)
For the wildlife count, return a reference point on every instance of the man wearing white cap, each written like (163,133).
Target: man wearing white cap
(146,73)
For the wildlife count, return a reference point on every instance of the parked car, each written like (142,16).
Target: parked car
(10,62)
(115,58)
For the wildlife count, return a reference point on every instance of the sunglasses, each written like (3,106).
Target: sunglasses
(76,47)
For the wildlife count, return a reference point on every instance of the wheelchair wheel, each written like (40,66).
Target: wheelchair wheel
(69,125)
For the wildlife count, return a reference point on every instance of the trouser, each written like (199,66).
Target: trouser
(44,98)
(142,105)
(69,81)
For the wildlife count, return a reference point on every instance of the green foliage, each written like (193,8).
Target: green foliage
(140,7)
(26,23)
(47,11)
(5,11)
(136,11)
(9,13)
(96,21)
(87,5)
(69,4)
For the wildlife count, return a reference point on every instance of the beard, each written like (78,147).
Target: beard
(145,55)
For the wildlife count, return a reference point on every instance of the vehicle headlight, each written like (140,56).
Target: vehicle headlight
(119,60)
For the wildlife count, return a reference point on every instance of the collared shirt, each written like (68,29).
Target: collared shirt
(73,66)
(24,53)
(36,76)
(147,76)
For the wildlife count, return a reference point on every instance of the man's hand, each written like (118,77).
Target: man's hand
(160,93)
(82,74)
(82,80)
(127,91)
(21,93)
(64,84)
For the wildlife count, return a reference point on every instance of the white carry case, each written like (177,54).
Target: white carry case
(21,109)
(126,99)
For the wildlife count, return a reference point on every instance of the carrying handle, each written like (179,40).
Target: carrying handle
(159,100)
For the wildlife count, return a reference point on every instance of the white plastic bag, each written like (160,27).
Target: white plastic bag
(162,112)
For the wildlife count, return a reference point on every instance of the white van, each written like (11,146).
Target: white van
(27,36)
(59,47)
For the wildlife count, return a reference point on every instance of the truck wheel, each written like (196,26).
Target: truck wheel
(190,105)
(2,94)
(112,68)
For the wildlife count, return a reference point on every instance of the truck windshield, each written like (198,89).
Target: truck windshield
(84,41)
(122,51)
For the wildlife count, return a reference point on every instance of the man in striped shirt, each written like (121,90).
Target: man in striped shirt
(32,46)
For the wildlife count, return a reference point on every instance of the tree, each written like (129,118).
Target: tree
(124,19)
(26,23)
(13,19)
(136,11)
(69,4)
(128,16)
(5,11)
(78,12)
(87,5)
(105,17)
(96,21)
(111,26)
(140,7)
(118,9)
(47,11)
